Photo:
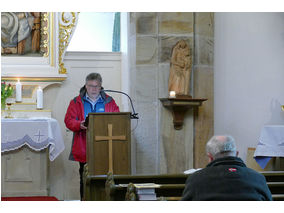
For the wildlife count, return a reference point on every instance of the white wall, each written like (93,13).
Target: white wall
(249,75)
(125,63)
(125,50)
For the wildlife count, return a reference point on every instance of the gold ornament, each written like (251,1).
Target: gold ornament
(67,23)
(45,34)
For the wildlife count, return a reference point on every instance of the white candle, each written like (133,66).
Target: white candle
(172,94)
(39,98)
(18,91)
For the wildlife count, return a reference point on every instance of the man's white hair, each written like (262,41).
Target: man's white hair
(221,146)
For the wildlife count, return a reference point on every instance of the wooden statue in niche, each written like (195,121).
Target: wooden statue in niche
(180,69)
(20,32)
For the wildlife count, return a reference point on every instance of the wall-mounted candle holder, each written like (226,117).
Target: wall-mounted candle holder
(179,107)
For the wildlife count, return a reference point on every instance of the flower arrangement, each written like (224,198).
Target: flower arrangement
(6,92)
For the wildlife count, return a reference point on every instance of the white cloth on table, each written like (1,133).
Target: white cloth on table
(271,144)
(37,133)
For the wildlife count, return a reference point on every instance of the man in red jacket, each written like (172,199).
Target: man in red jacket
(90,99)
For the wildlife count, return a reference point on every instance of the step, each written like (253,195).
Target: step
(22,106)
(26,113)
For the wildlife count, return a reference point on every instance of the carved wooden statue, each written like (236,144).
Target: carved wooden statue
(180,69)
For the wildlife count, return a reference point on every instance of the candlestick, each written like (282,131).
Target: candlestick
(18,91)
(172,94)
(9,113)
(39,98)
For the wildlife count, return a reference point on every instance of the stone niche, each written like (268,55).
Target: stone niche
(159,147)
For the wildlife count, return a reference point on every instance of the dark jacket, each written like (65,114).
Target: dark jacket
(226,178)
(73,118)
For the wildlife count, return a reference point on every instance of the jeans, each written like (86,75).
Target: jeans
(81,169)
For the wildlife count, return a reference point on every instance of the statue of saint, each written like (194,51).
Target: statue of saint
(180,69)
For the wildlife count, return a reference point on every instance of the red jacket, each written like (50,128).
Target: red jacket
(74,116)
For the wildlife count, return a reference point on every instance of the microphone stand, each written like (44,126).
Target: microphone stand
(133,115)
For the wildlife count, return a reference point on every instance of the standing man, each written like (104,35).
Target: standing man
(90,99)
(226,177)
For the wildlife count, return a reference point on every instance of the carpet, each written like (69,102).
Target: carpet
(32,198)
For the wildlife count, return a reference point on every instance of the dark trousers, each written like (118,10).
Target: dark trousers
(81,169)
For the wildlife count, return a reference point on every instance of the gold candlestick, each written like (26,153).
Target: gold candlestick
(9,111)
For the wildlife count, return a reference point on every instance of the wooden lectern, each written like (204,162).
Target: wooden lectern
(109,143)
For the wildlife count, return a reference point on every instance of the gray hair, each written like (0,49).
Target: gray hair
(221,146)
(94,76)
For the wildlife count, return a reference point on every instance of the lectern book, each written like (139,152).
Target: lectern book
(109,143)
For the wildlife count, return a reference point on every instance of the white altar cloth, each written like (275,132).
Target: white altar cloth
(271,144)
(37,133)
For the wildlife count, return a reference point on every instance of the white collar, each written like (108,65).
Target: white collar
(88,97)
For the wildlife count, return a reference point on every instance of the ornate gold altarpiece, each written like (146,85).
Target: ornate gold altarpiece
(42,70)
(56,33)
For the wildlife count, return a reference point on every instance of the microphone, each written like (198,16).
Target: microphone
(133,115)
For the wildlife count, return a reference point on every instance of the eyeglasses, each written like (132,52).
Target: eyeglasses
(94,87)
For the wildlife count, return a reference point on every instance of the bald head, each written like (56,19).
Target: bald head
(221,138)
(221,146)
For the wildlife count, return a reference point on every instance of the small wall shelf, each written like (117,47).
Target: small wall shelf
(179,107)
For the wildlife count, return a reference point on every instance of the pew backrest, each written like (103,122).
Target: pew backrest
(117,187)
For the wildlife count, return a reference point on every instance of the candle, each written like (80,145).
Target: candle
(172,94)
(39,98)
(18,91)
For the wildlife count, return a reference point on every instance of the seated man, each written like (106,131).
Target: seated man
(226,177)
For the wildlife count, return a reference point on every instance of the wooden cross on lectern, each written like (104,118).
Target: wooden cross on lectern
(109,138)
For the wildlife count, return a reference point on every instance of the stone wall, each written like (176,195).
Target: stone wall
(159,147)
(203,79)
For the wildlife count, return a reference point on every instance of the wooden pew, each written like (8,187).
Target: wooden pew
(116,187)
(275,182)
(165,192)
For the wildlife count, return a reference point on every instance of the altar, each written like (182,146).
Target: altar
(26,146)
(270,145)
